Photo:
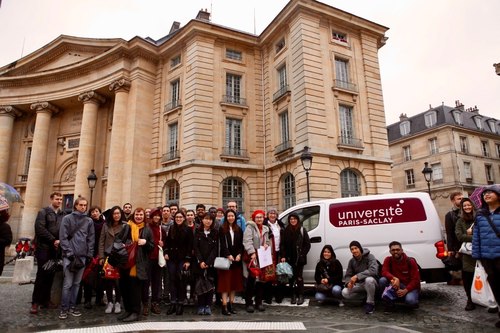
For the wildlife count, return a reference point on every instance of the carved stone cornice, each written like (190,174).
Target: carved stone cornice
(44,107)
(92,97)
(122,84)
(10,110)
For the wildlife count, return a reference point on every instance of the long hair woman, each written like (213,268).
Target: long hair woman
(179,249)
(131,280)
(231,247)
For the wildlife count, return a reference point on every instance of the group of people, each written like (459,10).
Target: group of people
(480,226)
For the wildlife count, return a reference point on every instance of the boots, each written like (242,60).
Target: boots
(230,308)
(179,309)
(293,299)
(225,310)
(300,291)
(300,299)
(171,309)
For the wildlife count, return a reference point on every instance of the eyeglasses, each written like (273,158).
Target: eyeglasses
(488,192)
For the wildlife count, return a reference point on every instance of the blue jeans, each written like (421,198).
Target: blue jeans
(336,293)
(71,284)
(411,298)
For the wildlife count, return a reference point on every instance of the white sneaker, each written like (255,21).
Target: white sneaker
(341,304)
(109,308)
(118,307)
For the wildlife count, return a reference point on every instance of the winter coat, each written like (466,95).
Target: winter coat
(142,255)
(331,269)
(98,225)
(228,247)
(405,269)
(47,225)
(205,248)
(251,237)
(295,245)
(485,243)
(450,222)
(5,240)
(107,238)
(365,267)
(76,236)
(179,243)
(468,263)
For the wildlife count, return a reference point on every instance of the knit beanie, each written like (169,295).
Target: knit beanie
(357,244)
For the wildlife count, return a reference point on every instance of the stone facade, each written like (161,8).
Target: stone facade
(460,145)
(202,115)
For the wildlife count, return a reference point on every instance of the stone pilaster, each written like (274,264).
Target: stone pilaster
(121,88)
(86,152)
(37,169)
(7,115)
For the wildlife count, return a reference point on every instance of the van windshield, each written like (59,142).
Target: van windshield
(309,217)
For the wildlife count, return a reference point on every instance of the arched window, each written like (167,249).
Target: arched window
(350,184)
(232,190)
(172,192)
(288,189)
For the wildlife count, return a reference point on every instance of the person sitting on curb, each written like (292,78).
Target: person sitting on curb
(401,272)
(361,276)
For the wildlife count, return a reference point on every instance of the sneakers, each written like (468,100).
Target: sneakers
(155,308)
(118,307)
(369,308)
(74,312)
(341,304)
(208,310)
(34,308)
(63,315)
(201,310)
(109,308)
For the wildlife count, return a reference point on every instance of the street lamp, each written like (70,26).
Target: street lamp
(307,159)
(428,176)
(92,180)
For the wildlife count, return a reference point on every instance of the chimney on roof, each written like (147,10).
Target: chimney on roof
(459,106)
(203,15)
(175,26)
(474,110)
(402,117)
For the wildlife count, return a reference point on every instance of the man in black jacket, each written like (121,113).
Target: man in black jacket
(47,225)
(450,221)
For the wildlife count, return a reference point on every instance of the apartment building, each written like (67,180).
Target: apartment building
(206,114)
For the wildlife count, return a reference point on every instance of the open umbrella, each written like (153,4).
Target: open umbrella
(10,193)
(476,196)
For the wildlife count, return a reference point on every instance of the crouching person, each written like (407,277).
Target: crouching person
(328,276)
(361,276)
(401,272)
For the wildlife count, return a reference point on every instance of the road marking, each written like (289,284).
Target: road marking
(191,326)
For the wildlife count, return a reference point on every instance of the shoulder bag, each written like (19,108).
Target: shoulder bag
(161,257)
(222,262)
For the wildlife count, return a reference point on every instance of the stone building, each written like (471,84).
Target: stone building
(461,146)
(203,115)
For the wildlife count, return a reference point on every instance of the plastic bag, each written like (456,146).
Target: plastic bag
(22,270)
(161,257)
(481,291)
(466,248)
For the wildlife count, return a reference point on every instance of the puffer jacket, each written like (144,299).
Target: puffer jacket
(365,267)
(485,242)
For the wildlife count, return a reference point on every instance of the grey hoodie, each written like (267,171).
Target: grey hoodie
(363,268)
(77,235)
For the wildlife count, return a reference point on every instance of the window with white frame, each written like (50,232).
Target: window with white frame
(485,148)
(284,127)
(234,54)
(493,126)
(232,190)
(282,79)
(172,192)
(175,93)
(404,127)
(406,153)
(489,173)
(346,125)
(350,184)
(437,172)
(467,170)
(479,122)
(433,146)
(464,145)
(233,88)
(430,118)
(457,116)
(233,137)
(173,141)
(342,73)
(410,177)
(289,199)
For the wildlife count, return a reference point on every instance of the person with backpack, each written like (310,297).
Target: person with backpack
(401,272)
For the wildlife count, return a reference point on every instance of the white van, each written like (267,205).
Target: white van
(375,221)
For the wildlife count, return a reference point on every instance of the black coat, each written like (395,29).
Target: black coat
(179,245)
(330,269)
(5,240)
(295,245)
(47,225)
(142,257)
(227,247)
(205,247)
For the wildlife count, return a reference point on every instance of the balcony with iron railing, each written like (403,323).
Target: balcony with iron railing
(234,99)
(234,153)
(172,105)
(282,147)
(350,142)
(344,85)
(170,156)
(282,91)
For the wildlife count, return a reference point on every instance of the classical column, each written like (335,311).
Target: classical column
(86,151)
(121,88)
(33,200)
(7,115)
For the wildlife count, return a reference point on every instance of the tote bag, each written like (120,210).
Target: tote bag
(161,257)
(481,291)
(22,270)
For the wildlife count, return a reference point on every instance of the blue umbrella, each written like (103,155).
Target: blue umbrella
(10,193)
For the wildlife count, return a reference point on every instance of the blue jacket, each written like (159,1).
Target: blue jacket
(485,242)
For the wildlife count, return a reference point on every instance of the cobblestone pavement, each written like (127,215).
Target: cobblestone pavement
(441,310)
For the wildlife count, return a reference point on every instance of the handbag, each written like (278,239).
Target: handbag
(118,256)
(76,264)
(222,263)
(132,251)
(466,248)
(323,288)
(253,268)
(204,284)
(161,257)
(481,291)
(91,272)
(22,270)
(110,272)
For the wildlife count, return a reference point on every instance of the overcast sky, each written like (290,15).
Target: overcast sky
(438,50)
